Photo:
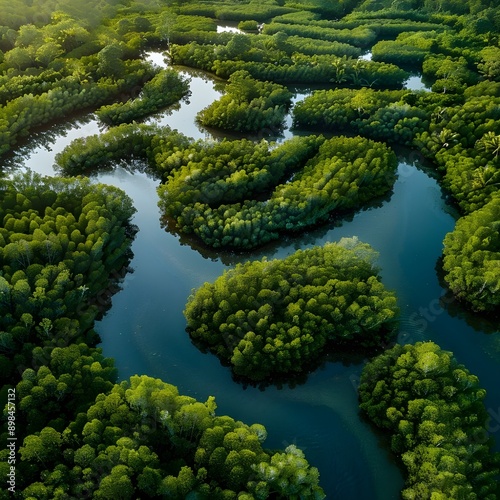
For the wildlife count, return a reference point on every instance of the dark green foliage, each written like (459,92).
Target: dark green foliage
(143,439)
(365,29)
(85,155)
(321,69)
(471,256)
(276,318)
(241,11)
(166,88)
(311,47)
(257,10)
(359,37)
(214,191)
(247,105)
(227,172)
(61,240)
(433,408)
(395,52)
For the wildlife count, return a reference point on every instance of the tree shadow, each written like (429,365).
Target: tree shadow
(484,322)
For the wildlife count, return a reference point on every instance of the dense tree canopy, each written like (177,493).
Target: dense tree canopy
(276,318)
(464,141)
(273,57)
(344,174)
(64,242)
(60,242)
(382,115)
(247,105)
(433,408)
(471,257)
(166,88)
(215,191)
(145,439)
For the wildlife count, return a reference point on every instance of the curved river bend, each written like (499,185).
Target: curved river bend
(145,329)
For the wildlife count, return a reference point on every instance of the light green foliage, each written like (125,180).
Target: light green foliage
(395,52)
(471,256)
(451,74)
(343,175)
(166,88)
(462,139)
(227,172)
(364,27)
(490,63)
(288,474)
(39,46)
(68,383)
(72,92)
(42,447)
(433,408)
(287,57)
(247,105)
(210,190)
(250,25)
(312,46)
(143,439)
(60,240)
(382,115)
(275,318)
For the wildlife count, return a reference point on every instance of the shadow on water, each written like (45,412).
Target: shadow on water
(298,239)
(333,352)
(485,322)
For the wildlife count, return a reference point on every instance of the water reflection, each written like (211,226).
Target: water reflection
(416,82)
(229,27)
(274,248)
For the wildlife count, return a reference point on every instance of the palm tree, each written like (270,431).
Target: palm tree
(489,143)
(445,138)
(486,176)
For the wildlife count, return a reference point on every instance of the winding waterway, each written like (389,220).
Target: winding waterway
(145,329)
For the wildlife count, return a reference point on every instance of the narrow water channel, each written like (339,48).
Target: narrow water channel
(145,329)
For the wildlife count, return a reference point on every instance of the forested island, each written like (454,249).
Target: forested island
(82,430)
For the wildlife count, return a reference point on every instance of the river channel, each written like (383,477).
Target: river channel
(145,329)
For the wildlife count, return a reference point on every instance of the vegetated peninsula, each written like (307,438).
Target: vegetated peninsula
(238,194)
(277,318)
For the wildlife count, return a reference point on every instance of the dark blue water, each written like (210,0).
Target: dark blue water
(145,329)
